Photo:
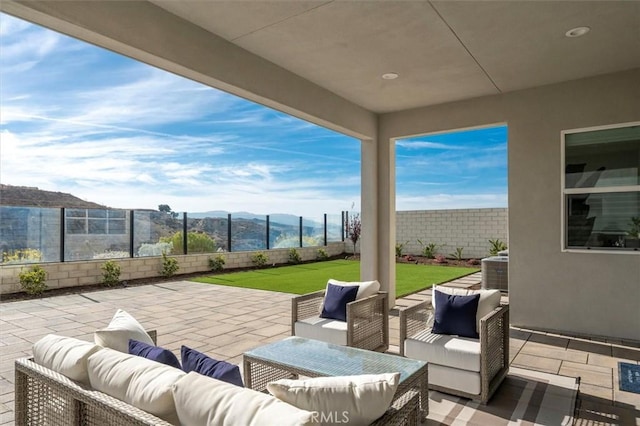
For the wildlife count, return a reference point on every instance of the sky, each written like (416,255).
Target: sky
(79,119)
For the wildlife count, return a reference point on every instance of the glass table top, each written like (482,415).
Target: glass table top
(332,360)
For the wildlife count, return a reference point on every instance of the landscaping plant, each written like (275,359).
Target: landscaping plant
(322,254)
(259,259)
(33,280)
(457,255)
(217,263)
(294,256)
(496,246)
(110,273)
(169,265)
(441,259)
(197,242)
(354,228)
(429,250)
(27,255)
(400,248)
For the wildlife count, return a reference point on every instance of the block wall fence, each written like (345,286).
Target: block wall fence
(470,229)
(82,273)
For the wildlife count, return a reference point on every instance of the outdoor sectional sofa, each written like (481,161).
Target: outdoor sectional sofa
(166,396)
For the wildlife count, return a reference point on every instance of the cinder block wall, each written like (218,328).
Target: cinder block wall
(470,229)
(80,273)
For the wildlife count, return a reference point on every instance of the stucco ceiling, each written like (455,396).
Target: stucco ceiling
(442,50)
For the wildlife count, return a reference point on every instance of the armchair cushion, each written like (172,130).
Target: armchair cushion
(456,314)
(453,351)
(65,355)
(365,288)
(335,301)
(489,300)
(326,330)
(117,334)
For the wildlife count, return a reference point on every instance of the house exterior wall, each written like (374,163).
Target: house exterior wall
(470,229)
(549,289)
(76,274)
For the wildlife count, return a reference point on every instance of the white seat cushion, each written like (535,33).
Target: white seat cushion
(65,355)
(453,378)
(138,381)
(358,400)
(489,300)
(326,330)
(443,349)
(204,401)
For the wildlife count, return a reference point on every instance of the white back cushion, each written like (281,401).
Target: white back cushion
(65,355)
(365,288)
(489,299)
(121,328)
(358,400)
(138,381)
(204,401)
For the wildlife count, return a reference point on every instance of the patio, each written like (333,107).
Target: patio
(224,322)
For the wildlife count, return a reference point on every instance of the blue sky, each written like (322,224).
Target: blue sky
(79,119)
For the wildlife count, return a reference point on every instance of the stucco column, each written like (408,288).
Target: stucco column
(377,246)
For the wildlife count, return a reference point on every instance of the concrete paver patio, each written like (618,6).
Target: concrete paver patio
(224,322)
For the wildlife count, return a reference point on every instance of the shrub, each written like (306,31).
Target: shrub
(399,248)
(441,259)
(27,255)
(429,250)
(473,262)
(294,256)
(156,249)
(259,259)
(322,254)
(197,242)
(33,281)
(110,273)
(216,264)
(496,246)
(457,255)
(169,265)
(287,240)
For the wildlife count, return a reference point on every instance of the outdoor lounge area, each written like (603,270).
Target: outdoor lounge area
(226,322)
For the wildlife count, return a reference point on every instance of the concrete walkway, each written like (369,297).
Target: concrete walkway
(224,322)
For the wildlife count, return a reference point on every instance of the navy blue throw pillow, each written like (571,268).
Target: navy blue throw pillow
(153,353)
(193,360)
(336,299)
(456,314)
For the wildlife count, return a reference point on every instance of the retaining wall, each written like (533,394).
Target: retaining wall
(80,273)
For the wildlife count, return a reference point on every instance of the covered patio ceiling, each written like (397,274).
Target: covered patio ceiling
(443,51)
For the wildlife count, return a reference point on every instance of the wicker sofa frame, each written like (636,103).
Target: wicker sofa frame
(367,318)
(494,346)
(45,397)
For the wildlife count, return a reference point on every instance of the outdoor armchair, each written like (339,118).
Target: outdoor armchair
(462,366)
(366,325)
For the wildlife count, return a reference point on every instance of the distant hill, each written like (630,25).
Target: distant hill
(34,197)
(282,218)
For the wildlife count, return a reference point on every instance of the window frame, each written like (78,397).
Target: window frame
(564,192)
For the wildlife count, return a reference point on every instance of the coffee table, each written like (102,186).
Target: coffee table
(296,356)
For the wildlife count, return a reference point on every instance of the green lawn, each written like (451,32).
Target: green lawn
(301,279)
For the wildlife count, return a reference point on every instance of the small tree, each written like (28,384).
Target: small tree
(110,273)
(354,228)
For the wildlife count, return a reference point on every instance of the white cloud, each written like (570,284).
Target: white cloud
(411,144)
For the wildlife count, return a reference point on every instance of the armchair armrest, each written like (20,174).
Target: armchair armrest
(494,348)
(368,322)
(412,320)
(305,306)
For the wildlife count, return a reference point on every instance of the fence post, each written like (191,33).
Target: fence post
(325,229)
(131,230)
(300,231)
(267,232)
(62,232)
(229,232)
(184,232)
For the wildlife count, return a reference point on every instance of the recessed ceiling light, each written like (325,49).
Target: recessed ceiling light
(390,76)
(577,32)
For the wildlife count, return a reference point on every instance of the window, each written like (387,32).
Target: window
(91,221)
(601,188)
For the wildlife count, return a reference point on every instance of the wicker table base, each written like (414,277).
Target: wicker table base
(295,356)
